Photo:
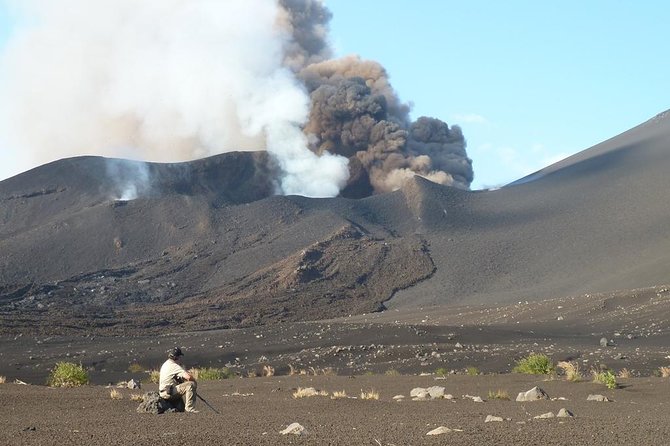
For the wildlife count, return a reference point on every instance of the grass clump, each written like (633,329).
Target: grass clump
(154,376)
(115,395)
(571,370)
(135,368)
(68,374)
(665,372)
(625,373)
(499,395)
(371,394)
(607,378)
(3,379)
(212,373)
(339,394)
(535,364)
(392,372)
(306,392)
(441,372)
(472,371)
(136,397)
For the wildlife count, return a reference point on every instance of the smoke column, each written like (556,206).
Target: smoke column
(174,79)
(183,79)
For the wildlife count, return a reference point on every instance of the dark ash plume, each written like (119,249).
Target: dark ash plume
(356,113)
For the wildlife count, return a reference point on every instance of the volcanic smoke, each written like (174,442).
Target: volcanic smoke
(176,80)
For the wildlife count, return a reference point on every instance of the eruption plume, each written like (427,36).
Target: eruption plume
(182,79)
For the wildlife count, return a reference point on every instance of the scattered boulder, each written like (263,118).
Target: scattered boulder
(435,392)
(419,394)
(533,394)
(564,413)
(492,419)
(294,429)
(153,403)
(600,398)
(545,416)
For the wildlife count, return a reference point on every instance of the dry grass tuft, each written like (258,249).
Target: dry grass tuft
(3,379)
(665,371)
(115,395)
(371,394)
(571,370)
(625,373)
(499,395)
(339,394)
(307,392)
(135,368)
(136,397)
(268,370)
(155,376)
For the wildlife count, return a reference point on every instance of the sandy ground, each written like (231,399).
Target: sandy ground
(386,352)
(254,410)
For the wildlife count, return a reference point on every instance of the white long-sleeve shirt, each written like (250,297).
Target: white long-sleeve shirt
(170,370)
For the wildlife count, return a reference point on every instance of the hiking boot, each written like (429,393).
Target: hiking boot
(193,411)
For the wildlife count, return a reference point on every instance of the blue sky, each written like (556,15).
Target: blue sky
(528,81)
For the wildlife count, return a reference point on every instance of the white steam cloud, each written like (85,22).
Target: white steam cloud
(174,79)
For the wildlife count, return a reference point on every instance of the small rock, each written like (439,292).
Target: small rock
(477,399)
(564,413)
(600,398)
(132,384)
(533,394)
(458,345)
(440,430)
(545,415)
(294,429)
(491,418)
(399,397)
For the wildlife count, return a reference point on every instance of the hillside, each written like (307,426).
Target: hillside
(207,245)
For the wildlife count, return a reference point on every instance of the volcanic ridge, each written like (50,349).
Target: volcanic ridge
(94,245)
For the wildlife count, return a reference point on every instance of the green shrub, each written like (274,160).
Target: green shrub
(535,364)
(472,371)
(213,374)
(606,377)
(441,372)
(392,372)
(67,374)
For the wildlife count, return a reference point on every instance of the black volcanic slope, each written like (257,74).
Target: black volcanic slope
(207,245)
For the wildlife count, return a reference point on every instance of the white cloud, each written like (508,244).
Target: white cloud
(468,118)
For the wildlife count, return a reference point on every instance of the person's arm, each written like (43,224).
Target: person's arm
(186,376)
